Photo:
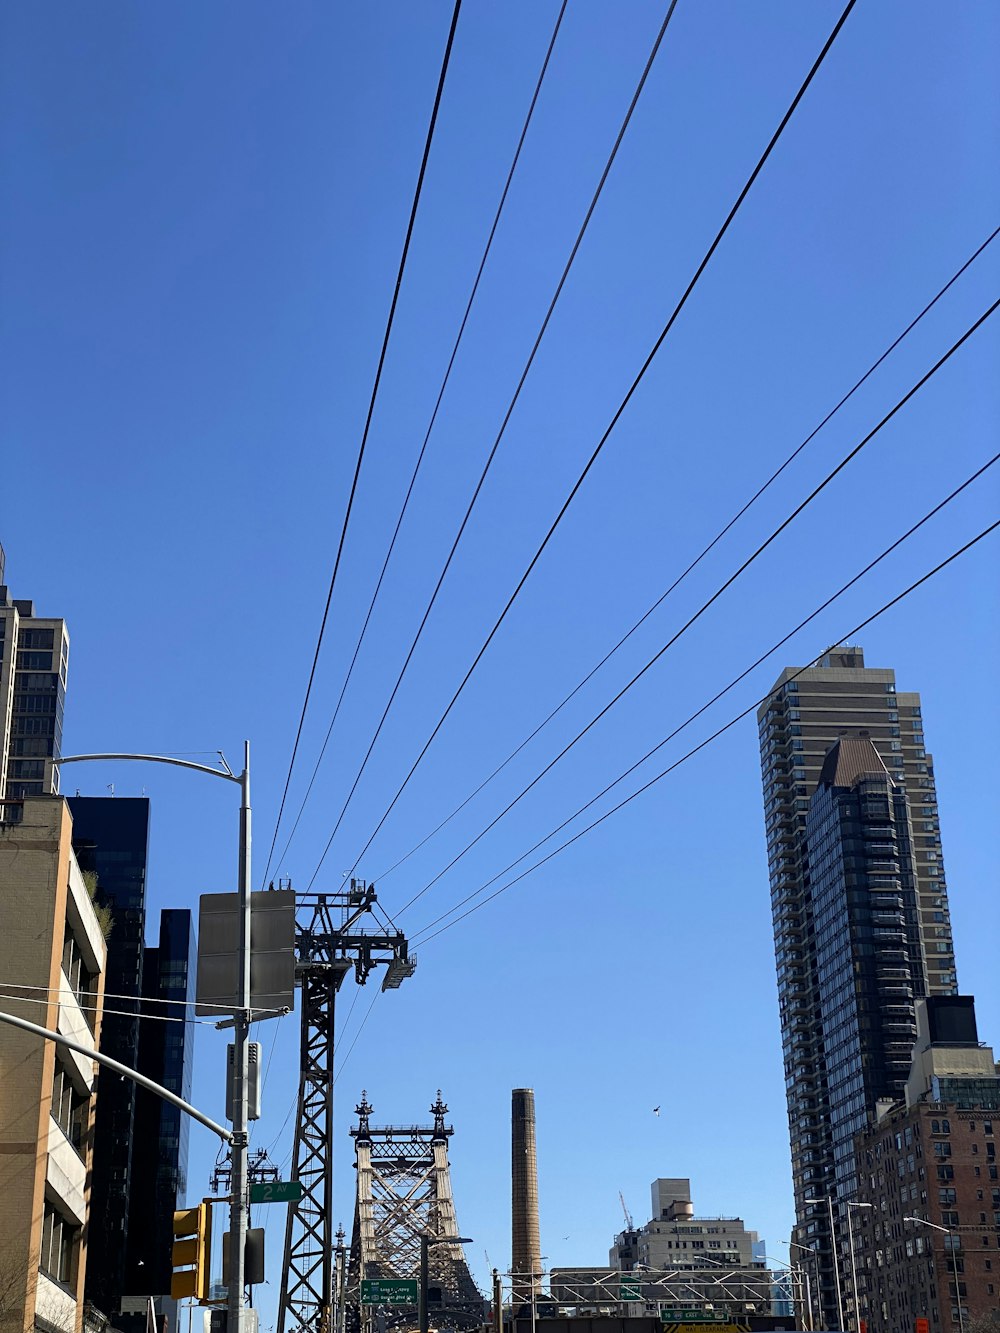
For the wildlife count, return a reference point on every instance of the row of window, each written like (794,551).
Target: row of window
(944,1126)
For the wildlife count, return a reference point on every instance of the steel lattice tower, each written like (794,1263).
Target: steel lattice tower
(404,1192)
(328,948)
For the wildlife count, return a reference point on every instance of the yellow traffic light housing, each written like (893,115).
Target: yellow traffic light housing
(191,1253)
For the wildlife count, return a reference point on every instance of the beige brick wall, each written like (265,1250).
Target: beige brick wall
(35,858)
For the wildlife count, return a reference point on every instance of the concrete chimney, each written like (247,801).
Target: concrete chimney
(526,1249)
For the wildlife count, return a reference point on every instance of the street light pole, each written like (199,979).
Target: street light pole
(426,1242)
(833,1252)
(806,1249)
(954,1262)
(800,1274)
(854,1271)
(239,1203)
(239,1200)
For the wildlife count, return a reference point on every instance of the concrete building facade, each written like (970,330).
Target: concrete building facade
(52,959)
(674,1261)
(34,660)
(912,954)
(675,1238)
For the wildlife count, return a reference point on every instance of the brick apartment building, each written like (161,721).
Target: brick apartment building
(934,1158)
(52,960)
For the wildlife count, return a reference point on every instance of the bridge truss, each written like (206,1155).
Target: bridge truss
(404,1192)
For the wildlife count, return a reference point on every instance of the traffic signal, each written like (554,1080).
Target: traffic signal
(192,1247)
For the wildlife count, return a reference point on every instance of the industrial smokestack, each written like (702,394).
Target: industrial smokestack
(526,1249)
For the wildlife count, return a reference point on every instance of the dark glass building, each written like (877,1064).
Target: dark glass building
(110,838)
(869,966)
(160,1153)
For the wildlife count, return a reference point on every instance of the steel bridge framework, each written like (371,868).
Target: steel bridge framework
(404,1193)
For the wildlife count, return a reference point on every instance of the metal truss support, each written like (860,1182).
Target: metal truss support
(327,951)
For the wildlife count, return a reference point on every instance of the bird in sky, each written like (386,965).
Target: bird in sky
(656,1110)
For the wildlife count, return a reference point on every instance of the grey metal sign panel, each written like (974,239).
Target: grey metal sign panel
(272,951)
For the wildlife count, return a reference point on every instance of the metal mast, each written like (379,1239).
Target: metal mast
(328,947)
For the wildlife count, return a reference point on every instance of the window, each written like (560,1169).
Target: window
(69,1107)
(942,1150)
(59,1240)
(949,1219)
(947,1195)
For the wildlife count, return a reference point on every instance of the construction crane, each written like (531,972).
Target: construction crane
(629,1224)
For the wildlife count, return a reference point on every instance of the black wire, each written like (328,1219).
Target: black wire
(368,1014)
(732,684)
(430,427)
(844,638)
(853,453)
(620,410)
(503,427)
(694,563)
(368,420)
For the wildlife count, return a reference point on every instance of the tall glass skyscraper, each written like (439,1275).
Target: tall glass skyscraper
(110,838)
(860,912)
(160,1154)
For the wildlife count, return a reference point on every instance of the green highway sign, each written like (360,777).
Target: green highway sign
(388,1291)
(276,1191)
(629,1291)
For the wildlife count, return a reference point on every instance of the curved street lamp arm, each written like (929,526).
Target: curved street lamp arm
(119,1068)
(152,759)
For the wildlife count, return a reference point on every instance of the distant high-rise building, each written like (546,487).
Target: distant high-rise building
(160,1153)
(110,837)
(860,911)
(34,657)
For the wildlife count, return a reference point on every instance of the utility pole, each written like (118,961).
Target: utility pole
(239,1202)
(239,1206)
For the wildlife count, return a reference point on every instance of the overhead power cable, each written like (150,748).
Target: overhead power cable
(361,1028)
(693,619)
(503,425)
(844,638)
(136,999)
(380,879)
(618,413)
(733,683)
(430,426)
(139,1015)
(368,421)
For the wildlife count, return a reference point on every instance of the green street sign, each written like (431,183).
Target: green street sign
(630,1291)
(388,1291)
(276,1191)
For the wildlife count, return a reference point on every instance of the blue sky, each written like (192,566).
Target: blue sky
(201,216)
